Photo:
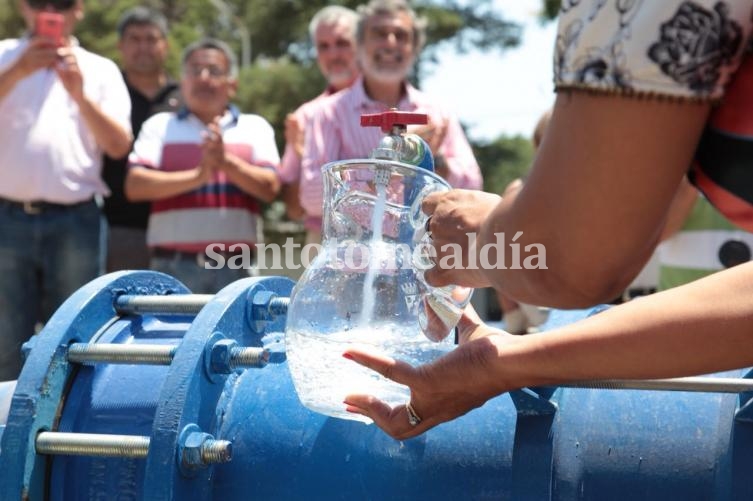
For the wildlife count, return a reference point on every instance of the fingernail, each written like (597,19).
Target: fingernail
(348,356)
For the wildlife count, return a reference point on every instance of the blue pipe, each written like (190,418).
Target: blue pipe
(537,443)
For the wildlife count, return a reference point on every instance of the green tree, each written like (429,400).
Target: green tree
(550,9)
(272,88)
(11,24)
(503,160)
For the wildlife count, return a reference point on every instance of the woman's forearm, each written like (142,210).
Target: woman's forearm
(596,204)
(703,327)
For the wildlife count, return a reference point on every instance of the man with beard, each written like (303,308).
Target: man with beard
(143,46)
(389,37)
(206,169)
(333,32)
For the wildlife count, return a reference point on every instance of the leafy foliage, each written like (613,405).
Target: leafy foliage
(11,24)
(275,87)
(503,160)
(550,9)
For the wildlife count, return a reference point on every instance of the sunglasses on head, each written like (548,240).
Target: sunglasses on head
(58,5)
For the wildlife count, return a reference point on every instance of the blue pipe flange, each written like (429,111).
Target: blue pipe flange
(190,396)
(41,387)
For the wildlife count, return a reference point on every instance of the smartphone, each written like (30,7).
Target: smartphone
(50,25)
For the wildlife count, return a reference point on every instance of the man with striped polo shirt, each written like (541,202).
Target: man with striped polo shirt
(389,36)
(206,168)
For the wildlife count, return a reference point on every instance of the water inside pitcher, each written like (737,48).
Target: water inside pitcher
(366,288)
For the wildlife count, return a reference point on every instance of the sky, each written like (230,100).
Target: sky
(500,93)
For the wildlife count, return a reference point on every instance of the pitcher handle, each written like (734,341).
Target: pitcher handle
(440,308)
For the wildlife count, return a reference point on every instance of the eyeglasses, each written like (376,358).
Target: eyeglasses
(197,71)
(58,5)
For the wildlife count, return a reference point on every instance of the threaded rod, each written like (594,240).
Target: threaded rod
(216,451)
(279,306)
(92,444)
(146,354)
(694,384)
(176,304)
(241,358)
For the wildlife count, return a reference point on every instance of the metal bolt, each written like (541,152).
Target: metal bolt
(216,451)
(92,444)
(279,305)
(264,308)
(260,305)
(226,356)
(148,354)
(241,357)
(199,449)
(176,304)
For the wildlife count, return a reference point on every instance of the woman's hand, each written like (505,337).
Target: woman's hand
(440,391)
(454,216)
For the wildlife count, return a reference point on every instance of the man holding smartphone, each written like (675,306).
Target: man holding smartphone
(64,107)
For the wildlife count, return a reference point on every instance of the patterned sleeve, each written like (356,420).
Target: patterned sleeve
(669,48)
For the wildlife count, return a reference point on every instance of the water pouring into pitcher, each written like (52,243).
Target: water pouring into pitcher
(366,288)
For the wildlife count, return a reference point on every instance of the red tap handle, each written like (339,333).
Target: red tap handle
(388,119)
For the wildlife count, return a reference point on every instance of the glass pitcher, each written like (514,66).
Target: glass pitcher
(366,288)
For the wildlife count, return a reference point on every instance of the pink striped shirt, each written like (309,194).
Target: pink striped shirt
(334,133)
(218,212)
(290,165)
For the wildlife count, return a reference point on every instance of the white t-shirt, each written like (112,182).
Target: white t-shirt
(47,152)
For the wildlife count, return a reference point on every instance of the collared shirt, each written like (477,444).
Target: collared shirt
(290,165)
(118,210)
(218,212)
(335,133)
(47,152)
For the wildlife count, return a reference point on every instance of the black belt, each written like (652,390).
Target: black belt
(35,207)
(199,257)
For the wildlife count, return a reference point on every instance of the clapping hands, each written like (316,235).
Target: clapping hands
(212,151)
